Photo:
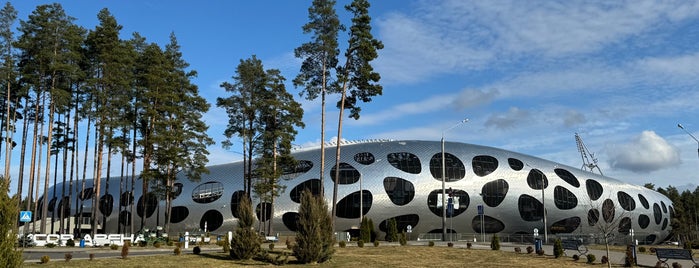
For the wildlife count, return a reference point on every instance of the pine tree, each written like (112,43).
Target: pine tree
(392,230)
(246,243)
(314,238)
(9,256)
(365,230)
(319,59)
(357,80)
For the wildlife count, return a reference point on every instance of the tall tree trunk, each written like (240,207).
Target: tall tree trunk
(47,177)
(73,161)
(133,174)
(55,180)
(84,178)
(23,154)
(99,150)
(42,228)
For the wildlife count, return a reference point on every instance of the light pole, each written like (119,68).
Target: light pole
(690,134)
(444,190)
(543,202)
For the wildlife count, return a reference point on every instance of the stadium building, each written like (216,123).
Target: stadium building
(493,191)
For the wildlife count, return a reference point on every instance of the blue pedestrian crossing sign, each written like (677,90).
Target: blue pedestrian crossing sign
(25,216)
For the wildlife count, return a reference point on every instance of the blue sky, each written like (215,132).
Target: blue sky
(527,74)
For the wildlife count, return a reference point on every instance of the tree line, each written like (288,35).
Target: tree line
(76,98)
(133,100)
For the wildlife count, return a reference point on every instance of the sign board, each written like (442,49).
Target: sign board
(409,229)
(480,209)
(25,216)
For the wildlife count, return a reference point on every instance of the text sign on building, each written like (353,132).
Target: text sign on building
(25,216)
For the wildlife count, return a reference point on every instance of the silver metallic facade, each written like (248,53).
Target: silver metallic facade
(399,182)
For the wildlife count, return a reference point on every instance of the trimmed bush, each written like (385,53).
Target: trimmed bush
(196,250)
(271,246)
(376,243)
(70,243)
(576,257)
(50,245)
(113,246)
(604,259)
(431,243)
(642,249)
(156,245)
(45,259)
(530,250)
(360,243)
(68,257)
(450,244)
(226,245)
(518,250)
(92,256)
(495,243)
(676,265)
(343,244)
(591,258)
(469,245)
(540,252)
(403,239)
(178,251)
(557,248)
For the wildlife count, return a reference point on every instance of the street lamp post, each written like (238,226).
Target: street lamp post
(444,190)
(543,203)
(543,206)
(690,134)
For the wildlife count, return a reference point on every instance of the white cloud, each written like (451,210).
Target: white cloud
(648,152)
(406,109)
(452,36)
(509,119)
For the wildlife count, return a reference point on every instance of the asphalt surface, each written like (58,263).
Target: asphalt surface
(58,253)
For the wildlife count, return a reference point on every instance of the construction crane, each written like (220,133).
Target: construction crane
(584,152)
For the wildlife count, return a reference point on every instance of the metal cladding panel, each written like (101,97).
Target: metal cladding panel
(382,208)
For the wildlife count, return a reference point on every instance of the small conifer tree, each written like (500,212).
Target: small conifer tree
(365,230)
(392,230)
(9,213)
(557,248)
(314,238)
(246,243)
(495,243)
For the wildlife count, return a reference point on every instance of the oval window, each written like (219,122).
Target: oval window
(626,201)
(564,199)
(312,185)
(567,177)
(348,207)
(400,191)
(536,179)
(179,214)
(297,169)
(348,174)
(594,189)
(515,164)
(364,158)
(484,164)
(494,192)
(207,192)
(454,168)
(405,161)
